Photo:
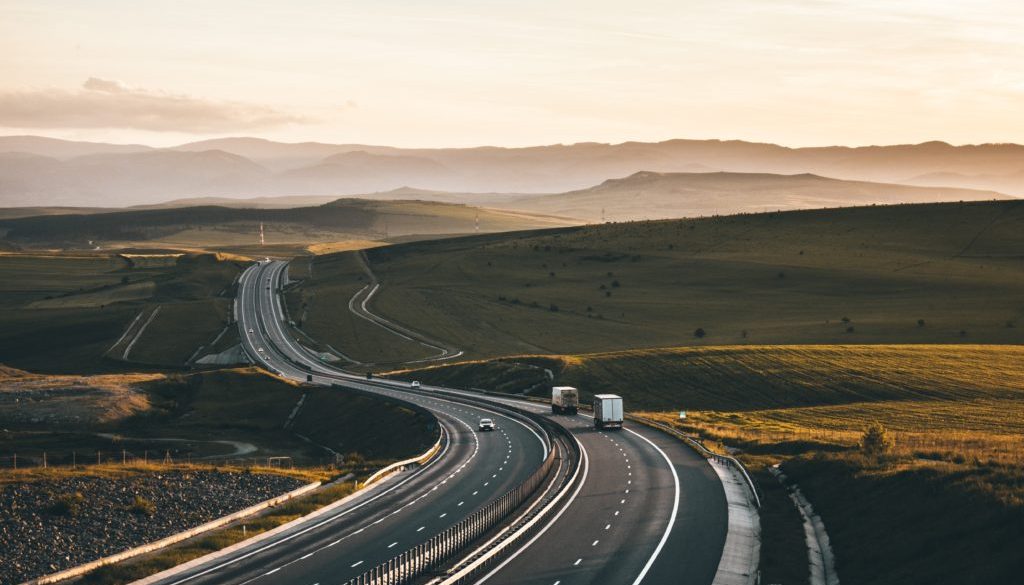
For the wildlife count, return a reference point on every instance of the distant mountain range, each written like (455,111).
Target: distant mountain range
(41,171)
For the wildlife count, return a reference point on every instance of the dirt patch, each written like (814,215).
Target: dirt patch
(84,400)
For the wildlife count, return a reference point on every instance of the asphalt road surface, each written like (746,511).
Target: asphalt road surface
(649,510)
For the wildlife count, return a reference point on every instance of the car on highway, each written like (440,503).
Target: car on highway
(486,424)
(259,349)
(250,330)
(414,384)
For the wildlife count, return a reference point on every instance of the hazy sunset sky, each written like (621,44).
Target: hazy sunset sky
(521,72)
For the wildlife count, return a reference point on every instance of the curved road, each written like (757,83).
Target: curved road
(649,510)
(406,510)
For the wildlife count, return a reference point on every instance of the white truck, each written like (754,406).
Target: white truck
(607,411)
(564,400)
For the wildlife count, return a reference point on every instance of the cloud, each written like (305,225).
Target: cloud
(103,103)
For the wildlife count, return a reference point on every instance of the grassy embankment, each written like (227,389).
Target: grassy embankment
(64,313)
(945,504)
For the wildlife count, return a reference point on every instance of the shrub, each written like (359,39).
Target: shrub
(615,284)
(849,329)
(700,333)
(845,319)
(920,322)
(553,308)
(875,441)
(142,506)
(67,504)
(607,293)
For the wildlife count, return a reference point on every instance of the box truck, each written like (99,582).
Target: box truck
(564,400)
(607,411)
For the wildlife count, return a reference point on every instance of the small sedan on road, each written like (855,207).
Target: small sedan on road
(486,424)
(414,384)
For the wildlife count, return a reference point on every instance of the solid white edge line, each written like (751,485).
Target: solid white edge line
(675,509)
(583,480)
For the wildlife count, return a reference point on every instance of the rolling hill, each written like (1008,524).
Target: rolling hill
(213,227)
(934,273)
(648,195)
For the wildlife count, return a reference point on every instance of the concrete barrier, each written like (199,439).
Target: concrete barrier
(172,539)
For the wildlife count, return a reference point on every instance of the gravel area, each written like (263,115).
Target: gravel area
(45,526)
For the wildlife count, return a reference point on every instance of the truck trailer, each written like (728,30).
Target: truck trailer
(607,411)
(564,400)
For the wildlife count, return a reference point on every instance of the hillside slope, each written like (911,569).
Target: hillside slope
(939,273)
(212,226)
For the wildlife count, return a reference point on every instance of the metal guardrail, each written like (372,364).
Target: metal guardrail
(727,459)
(401,465)
(430,555)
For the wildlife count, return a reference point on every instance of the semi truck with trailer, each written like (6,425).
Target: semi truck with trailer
(564,400)
(607,411)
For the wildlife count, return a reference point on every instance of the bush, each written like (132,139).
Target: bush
(920,322)
(67,504)
(876,441)
(849,329)
(700,333)
(142,506)
(553,308)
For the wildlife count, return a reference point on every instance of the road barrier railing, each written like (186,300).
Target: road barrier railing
(724,459)
(436,556)
(406,463)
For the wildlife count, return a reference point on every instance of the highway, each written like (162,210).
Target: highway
(472,469)
(649,509)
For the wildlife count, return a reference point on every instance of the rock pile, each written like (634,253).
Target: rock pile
(51,525)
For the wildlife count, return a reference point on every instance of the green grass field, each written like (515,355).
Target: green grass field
(942,273)
(64,312)
(321,311)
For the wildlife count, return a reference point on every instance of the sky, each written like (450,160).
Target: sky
(434,73)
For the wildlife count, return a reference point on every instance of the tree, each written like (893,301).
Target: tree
(876,441)
(700,333)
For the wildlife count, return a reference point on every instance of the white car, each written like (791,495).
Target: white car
(486,424)
(250,330)
(259,349)
(414,384)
